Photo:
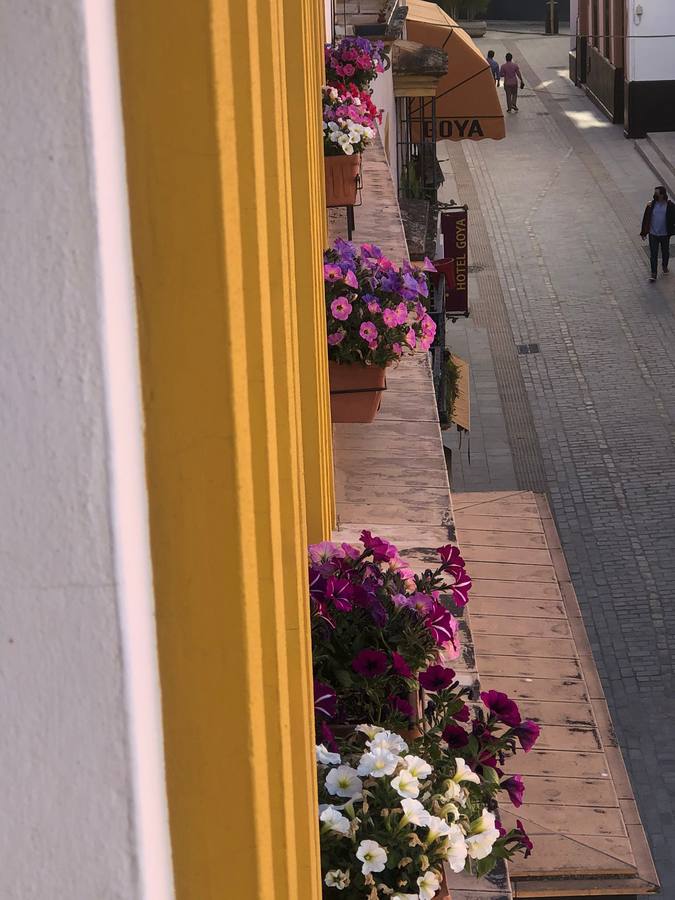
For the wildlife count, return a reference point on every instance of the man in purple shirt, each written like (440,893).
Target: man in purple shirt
(511,75)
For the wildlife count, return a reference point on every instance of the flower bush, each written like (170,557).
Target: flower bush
(424,788)
(375,308)
(354,60)
(349,117)
(389,820)
(374,624)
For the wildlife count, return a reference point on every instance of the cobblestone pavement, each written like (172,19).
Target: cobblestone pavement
(555,222)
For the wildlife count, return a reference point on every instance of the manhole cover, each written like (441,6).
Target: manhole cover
(475,268)
(524,349)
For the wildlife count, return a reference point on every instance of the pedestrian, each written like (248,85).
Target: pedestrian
(494,65)
(658,223)
(511,75)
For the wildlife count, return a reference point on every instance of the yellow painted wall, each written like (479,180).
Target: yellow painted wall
(224,161)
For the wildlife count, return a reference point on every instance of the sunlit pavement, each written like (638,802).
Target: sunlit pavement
(590,418)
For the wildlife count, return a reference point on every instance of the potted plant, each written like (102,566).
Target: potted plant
(399,802)
(354,60)
(349,118)
(376,314)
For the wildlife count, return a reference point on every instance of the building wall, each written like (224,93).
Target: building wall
(225,164)
(383,98)
(79,758)
(651,58)
(526,10)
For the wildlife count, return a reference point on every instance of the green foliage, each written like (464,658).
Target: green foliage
(452,383)
(465,9)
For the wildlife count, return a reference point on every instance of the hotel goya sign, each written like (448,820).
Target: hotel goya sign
(454,228)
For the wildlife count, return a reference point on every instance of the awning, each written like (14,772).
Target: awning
(467,103)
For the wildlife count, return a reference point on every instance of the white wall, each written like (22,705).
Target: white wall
(651,58)
(383,98)
(71,824)
(328,19)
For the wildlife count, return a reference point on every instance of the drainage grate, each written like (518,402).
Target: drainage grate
(524,349)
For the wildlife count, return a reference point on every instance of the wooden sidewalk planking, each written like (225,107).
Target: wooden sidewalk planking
(546,662)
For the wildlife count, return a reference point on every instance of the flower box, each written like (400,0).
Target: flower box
(342,174)
(355,391)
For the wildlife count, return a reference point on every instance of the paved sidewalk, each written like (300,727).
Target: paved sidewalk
(555,217)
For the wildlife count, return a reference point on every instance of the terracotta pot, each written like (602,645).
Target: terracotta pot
(355,391)
(341,179)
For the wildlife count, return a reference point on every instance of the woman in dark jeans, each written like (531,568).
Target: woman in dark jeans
(658,223)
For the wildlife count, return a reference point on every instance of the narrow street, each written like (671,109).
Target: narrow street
(588,414)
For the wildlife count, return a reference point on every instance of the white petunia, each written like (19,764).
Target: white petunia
(455,793)
(373,857)
(343,782)
(414,813)
(337,878)
(451,812)
(334,821)
(394,743)
(428,884)
(418,767)
(405,784)
(482,837)
(325,757)
(464,773)
(437,828)
(378,762)
(347,149)
(369,730)
(457,849)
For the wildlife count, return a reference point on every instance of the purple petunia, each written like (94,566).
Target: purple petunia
(515,788)
(527,733)
(463,714)
(370,663)
(400,666)
(451,558)
(524,838)
(436,678)
(501,707)
(455,737)
(444,627)
(325,700)
(401,705)
(382,550)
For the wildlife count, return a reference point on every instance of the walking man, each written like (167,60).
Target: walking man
(658,223)
(494,65)
(511,75)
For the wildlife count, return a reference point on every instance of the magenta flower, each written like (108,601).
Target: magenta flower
(455,737)
(351,280)
(390,319)
(370,663)
(410,338)
(382,550)
(463,714)
(328,738)
(368,332)
(340,592)
(428,266)
(336,338)
(397,348)
(444,627)
(461,588)
(325,551)
(515,788)
(500,828)
(374,307)
(451,558)
(400,666)
(436,678)
(348,70)
(524,839)
(527,733)
(502,708)
(341,308)
(331,272)
(401,705)
(421,603)
(428,327)
(325,700)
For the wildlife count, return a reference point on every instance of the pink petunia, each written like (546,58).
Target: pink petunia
(368,332)
(374,307)
(336,338)
(331,272)
(341,308)
(397,348)
(351,280)
(401,314)
(410,338)
(390,319)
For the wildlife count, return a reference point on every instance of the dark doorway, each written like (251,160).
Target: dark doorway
(526,10)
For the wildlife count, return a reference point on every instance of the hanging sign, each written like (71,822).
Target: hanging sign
(454,228)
